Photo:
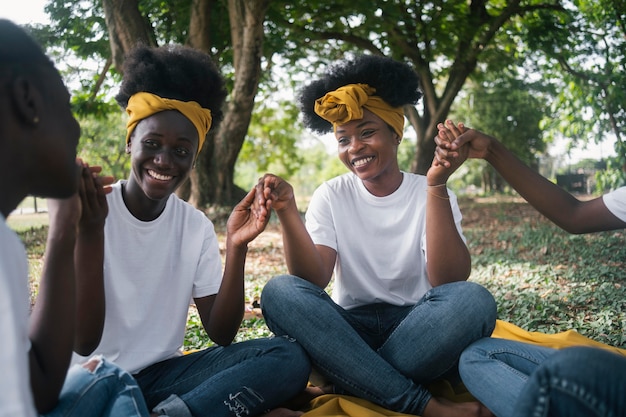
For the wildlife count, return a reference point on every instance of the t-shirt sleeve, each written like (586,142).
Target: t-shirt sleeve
(615,201)
(209,272)
(15,393)
(319,220)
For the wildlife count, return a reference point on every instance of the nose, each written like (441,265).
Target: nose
(162,158)
(355,145)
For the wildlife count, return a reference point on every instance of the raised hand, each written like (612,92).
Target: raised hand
(247,220)
(92,191)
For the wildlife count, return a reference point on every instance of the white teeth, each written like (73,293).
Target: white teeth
(158,176)
(362,162)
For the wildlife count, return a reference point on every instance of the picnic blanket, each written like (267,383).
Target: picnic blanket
(332,405)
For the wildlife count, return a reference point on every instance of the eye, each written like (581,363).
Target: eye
(149,143)
(368,132)
(182,151)
(343,140)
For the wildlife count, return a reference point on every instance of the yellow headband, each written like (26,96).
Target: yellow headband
(142,105)
(346,103)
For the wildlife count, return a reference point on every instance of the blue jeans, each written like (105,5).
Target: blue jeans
(380,352)
(496,370)
(576,382)
(108,391)
(242,379)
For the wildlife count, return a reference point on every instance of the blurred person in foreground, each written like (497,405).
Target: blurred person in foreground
(38,139)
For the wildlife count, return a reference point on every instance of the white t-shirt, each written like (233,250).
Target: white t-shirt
(615,201)
(16,398)
(152,271)
(380,241)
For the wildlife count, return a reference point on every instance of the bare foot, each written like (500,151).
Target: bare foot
(283,412)
(440,407)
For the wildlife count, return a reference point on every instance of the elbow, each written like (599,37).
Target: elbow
(45,404)
(223,341)
(86,347)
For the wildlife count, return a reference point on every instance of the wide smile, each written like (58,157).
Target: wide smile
(358,163)
(159,177)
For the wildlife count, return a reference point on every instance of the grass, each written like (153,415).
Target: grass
(543,279)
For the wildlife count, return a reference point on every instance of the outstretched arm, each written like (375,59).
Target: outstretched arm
(304,259)
(558,205)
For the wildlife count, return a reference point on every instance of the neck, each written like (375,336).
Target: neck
(382,187)
(139,205)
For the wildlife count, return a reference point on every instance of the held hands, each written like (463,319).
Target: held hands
(250,217)
(274,193)
(451,141)
(445,161)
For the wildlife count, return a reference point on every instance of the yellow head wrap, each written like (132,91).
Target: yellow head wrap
(142,105)
(346,103)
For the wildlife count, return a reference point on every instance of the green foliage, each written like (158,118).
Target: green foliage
(102,143)
(272,138)
(506,108)
(584,58)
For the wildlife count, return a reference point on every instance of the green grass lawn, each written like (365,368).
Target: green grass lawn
(543,279)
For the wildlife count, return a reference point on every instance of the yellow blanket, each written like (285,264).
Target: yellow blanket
(346,406)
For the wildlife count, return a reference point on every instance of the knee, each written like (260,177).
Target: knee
(277,288)
(481,303)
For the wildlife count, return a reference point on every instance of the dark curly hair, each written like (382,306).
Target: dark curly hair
(395,82)
(175,72)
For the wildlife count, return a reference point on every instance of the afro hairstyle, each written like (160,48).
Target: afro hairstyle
(395,82)
(174,72)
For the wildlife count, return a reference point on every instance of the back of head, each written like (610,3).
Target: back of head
(395,82)
(174,72)
(19,52)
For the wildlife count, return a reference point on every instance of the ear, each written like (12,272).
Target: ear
(128,147)
(27,99)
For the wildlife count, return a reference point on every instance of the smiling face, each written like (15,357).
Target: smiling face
(369,147)
(163,148)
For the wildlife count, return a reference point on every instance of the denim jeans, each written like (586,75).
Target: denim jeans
(380,352)
(108,391)
(496,370)
(576,382)
(242,379)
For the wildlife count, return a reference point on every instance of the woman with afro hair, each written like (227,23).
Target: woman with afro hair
(401,310)
(159,253)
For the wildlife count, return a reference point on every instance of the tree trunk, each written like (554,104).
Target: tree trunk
(213,180)
(126,27)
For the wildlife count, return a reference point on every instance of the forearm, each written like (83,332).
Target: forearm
(301,255)
(228,309)
(548,198)
(90,295)
(52,320)
(448,257)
